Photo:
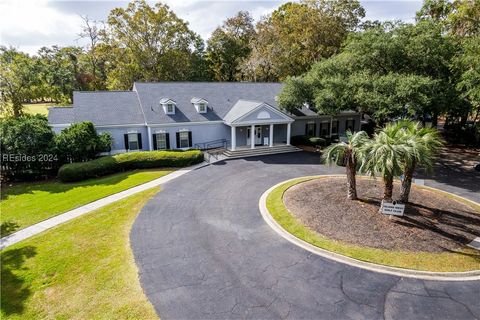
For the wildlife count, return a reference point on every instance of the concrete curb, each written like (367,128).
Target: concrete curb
(74,213)
(408,273)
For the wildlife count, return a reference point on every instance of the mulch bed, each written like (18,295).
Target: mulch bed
(432,222)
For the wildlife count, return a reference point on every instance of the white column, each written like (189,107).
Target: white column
(252,136)
(289,129)
(150,142)
(234,137)
(270,139)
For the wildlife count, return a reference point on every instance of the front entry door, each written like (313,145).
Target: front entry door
(258,135)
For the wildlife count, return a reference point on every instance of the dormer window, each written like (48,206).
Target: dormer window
(201,105)
(168,105)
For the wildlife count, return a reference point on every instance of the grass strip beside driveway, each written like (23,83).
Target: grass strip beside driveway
(466,260)
(83,269)
(25,204)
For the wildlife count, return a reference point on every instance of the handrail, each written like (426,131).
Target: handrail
(211,144)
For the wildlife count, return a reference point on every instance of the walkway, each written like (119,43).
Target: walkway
(204,252)
(72,214)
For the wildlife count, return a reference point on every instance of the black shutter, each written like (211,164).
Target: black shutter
(189,139)
(178,139)
(125,138)
(139,140)
(167,137)
(306,129)
(315,129)
(154,137)
(353,125)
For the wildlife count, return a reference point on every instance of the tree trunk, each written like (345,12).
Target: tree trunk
(388,191)
(351,171)
(406,184)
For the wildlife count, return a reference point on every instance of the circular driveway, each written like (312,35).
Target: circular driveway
(204,252)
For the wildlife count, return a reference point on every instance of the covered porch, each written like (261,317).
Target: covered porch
(256,124)
(268,135)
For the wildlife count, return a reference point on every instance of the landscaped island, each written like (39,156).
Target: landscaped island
(432,235)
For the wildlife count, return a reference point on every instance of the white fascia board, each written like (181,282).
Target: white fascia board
(273,109)
(60,125)
(182,124)
(259,122)
(120,125)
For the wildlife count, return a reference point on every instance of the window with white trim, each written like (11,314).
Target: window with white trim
(184,140)
(161,141)
(133,141)
(202,108)
(170,108)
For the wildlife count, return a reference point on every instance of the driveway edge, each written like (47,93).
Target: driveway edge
(54,221)
(409,273)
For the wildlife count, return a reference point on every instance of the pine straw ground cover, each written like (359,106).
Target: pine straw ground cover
(431,236)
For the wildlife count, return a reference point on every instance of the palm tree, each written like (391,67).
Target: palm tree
(347,152)
(423,145)
(384,154)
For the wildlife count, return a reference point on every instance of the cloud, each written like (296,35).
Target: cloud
(31,24)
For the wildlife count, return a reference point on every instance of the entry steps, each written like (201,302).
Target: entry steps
(259,151)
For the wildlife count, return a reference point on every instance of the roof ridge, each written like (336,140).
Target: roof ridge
(101,91)
(212,82)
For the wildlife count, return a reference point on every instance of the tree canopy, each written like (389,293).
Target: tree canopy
(389,71)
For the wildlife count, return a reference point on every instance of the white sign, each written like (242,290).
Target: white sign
(392,208)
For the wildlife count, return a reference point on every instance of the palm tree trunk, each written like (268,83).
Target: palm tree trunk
(388,191)
(351,172)
(406,184)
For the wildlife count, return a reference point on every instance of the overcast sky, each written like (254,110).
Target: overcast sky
(31,24)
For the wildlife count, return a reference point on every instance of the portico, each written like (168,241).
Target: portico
(253,124)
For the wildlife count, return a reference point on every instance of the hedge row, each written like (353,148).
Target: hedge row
(127,161)
(307,141)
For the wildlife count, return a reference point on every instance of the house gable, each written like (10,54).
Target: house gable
(251,112)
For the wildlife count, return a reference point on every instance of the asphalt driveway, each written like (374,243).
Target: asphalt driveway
(204,252)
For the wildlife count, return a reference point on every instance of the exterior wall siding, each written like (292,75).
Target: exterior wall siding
(299,125)
(200,133)
(203,133)
(118,136)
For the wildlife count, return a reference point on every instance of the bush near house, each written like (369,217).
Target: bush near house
(31,150)
(307,141)
(128,161)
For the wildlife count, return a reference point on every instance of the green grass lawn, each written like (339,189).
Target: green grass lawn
(28,203)
(466,260)
(33,108)
(83,269)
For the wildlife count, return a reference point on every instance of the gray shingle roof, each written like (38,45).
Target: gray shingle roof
(241,108)
(221,96)
(60,115)
(125,107)
(107,107)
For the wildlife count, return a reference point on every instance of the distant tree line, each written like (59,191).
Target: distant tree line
(150,43)
(329,57)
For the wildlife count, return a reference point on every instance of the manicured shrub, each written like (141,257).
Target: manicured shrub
(128,161)
(315,141)
(307,141)
(80,142)
(27,147)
